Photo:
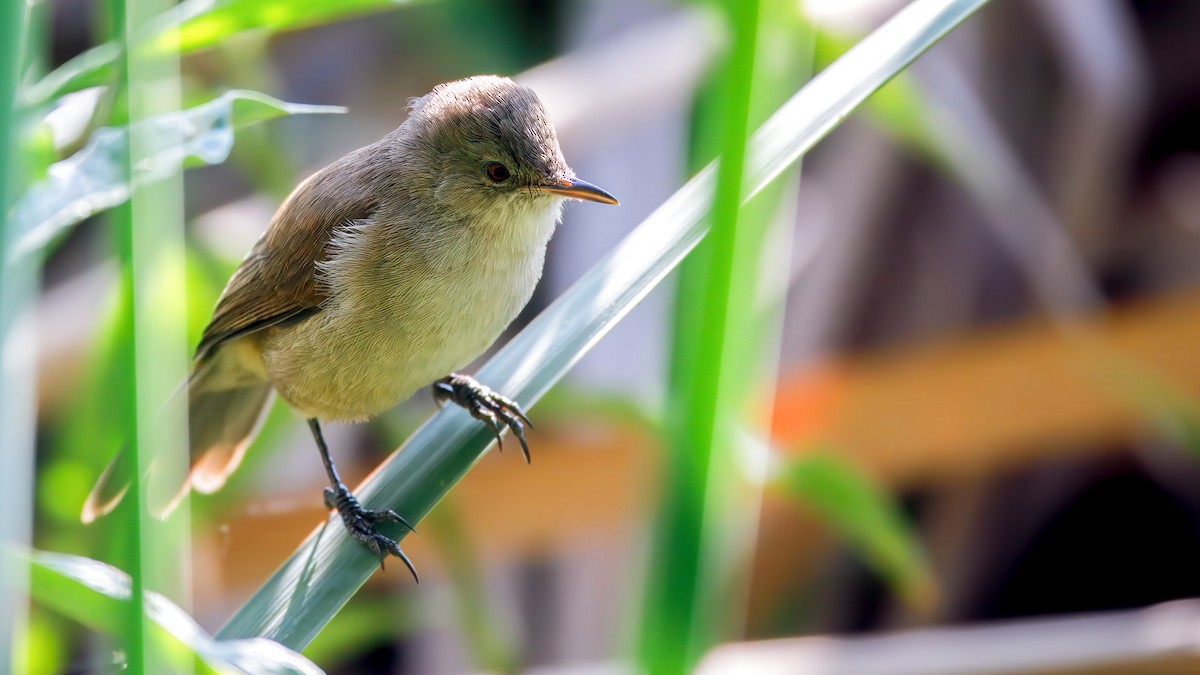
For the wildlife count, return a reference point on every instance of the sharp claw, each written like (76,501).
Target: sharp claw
(397,518)
(520,434)
(407,563)
(514,424)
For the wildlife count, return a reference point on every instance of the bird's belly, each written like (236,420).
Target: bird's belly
(356,359)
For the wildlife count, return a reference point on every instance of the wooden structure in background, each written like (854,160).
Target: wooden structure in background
(998,399)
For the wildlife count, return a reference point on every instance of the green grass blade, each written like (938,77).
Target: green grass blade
(148,236)
(680,616)
(696,587)
(328,568)
(18,287)
(863,513)
(94,178)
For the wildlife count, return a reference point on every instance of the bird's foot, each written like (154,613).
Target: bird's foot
(360,524)
(493,409)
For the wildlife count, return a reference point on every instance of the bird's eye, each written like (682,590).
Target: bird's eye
(497,172)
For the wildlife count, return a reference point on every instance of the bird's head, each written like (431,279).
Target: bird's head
(490,149)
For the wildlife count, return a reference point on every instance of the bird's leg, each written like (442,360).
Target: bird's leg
(485,405)
(359,521)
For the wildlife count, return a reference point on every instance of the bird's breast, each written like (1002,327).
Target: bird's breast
(401,320)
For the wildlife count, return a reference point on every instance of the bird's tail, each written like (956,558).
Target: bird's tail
(221,424)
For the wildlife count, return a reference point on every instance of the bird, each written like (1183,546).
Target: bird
(389,270)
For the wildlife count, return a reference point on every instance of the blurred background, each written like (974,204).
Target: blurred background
(988,335)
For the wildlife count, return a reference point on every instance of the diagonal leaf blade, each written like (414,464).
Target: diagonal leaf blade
(94,178)
(321,576)
(92,68)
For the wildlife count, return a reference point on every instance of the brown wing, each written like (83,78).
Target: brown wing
(277,282)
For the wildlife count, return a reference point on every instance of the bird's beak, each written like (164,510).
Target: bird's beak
(577,188)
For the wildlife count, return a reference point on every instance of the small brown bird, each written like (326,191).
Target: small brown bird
(389,269)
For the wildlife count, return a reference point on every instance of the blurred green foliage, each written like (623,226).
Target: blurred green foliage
(195,25)
(42,647)
(863,513)
(94,594)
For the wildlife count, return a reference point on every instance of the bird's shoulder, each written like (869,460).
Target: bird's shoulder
(278,282)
